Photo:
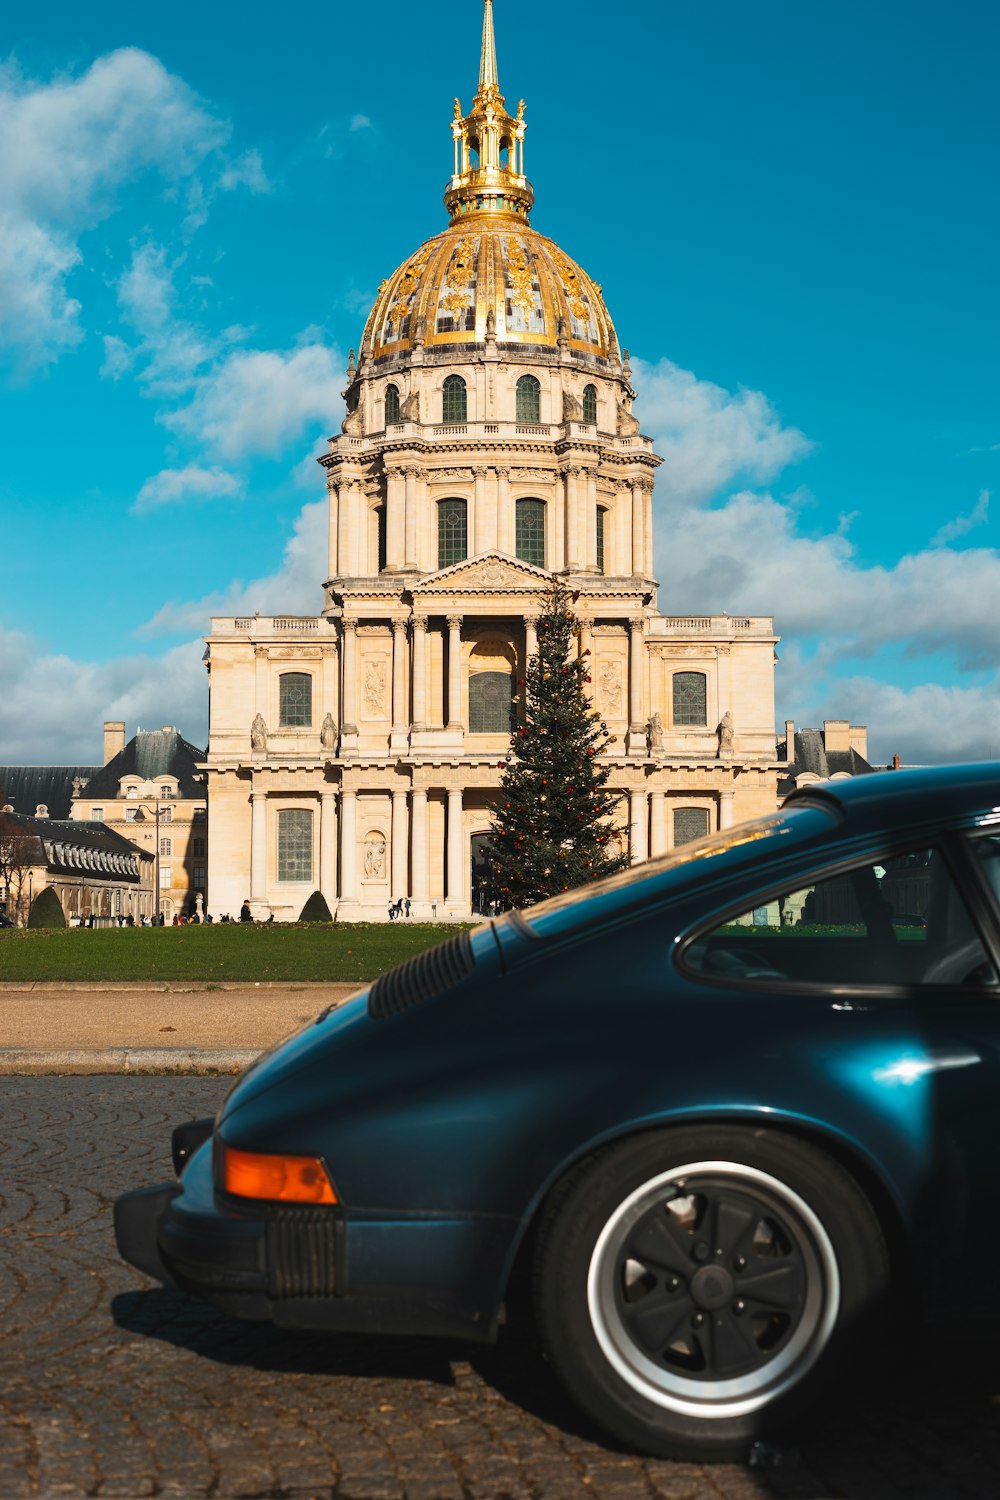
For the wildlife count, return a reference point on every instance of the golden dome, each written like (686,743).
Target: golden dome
(444,294)
(489,275)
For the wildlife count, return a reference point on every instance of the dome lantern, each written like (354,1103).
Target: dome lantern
(488,175)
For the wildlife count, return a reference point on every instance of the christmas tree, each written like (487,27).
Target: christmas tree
(551,828)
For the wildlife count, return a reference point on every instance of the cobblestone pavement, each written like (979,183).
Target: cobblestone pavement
(110,1386)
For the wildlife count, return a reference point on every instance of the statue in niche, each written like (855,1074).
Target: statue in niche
(725,733)
(409,407)
(610,684)
(328,733)
(375,690)
(258,733)
(572,408)
(491,326)
(654,733)
(374,857)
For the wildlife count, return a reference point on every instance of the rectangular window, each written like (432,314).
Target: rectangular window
(199,849)
(198,878)
(166,791)
(897,921)
(295,841)
(601,513)
(97,814)
(690,823)
(166,815)
(166,877)
(453,536)
(130,813)
(132,791)
(165,847)
(529,531)
(295,700)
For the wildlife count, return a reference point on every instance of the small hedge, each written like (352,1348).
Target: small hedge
(46,910)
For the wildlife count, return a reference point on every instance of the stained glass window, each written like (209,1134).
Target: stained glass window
(601,514)
(529,399)
(690,698)
(294,700)
(529,531)
(590,403)
(295,840)
(453,536)
(455,401)
(391,404)
(489,703)
(690,823)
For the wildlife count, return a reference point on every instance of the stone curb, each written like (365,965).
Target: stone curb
(21,1060)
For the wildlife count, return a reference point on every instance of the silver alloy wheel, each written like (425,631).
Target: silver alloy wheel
(693,1276)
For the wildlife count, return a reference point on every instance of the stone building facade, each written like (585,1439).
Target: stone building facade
(488,444)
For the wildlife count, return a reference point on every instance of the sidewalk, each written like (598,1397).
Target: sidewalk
(154,1028)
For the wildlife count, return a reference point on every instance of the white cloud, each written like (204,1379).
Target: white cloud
(708,437)
(360,122)
(256,401)
(178,486)
(962,525)
(246,171)
(55,705)
(926,724)
(66,148)
(294,588)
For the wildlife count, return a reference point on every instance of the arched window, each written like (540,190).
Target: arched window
(529,531)
(455,400)
(490,696)
(690,698)
(690,823)
(590,403)
(391,404)
(453,534)
(601,517)
(529,399)
(294,700)
(295,844)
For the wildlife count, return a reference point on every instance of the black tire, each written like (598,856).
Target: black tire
(691,1331)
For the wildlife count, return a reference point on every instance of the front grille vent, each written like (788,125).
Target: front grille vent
(300,1252)
(422,977)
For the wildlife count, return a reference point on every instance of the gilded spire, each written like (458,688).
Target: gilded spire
(488,176)
(488,60)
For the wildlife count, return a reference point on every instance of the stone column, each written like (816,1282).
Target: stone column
(658,824)
(328,847)
(727,799)
(258,848)
(418,844)
(647,524)
(574,555)
(637,828)
(590,520)
(412,539)
(638,530)
(332,523)
(637,732)
(622,560)
(344,539)
(260,703)
(419,716)
(483,531)
(455,672)
(348,846)
(505,513)
(395,520)
(400,884)
(399,718)
(530,638)
(350,700)
(556,558)
(456,852)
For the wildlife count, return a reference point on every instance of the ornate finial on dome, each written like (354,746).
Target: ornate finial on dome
(485,180)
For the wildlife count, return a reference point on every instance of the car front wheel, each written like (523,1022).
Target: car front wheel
(694,1287)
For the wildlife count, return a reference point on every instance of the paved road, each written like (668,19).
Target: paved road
(112,1387)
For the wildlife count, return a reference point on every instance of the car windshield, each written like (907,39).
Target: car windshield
(744,843)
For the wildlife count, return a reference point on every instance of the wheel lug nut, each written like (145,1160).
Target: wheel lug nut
(740,1263)
(701,1251)
(697,1320)
(739,1307)
(673,1284)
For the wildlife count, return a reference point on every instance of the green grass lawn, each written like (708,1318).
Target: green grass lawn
(220,953)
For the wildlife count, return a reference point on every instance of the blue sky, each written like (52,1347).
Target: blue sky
(792,208)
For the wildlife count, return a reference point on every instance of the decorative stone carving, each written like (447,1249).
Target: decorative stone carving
(626,425)
(260,652)
(328,733)
(480,473)
(725,733)
(503,472)
(654,732)
(409,407)
(375,689)
(572,408)
(258,734)
(374,856)
(609,688)
(352,423)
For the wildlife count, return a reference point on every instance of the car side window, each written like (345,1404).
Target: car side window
(986,847)
(898,921)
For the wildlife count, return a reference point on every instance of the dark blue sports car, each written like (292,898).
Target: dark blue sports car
(715,1113)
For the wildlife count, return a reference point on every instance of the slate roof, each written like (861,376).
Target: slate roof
(812,755)
(150,754)
(98,844)
(29,787)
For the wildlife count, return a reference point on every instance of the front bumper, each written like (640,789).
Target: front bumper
(290,1265)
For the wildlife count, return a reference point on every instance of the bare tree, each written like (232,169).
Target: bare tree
(18,856)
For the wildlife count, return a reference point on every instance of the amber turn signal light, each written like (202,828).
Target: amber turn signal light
(278,1179)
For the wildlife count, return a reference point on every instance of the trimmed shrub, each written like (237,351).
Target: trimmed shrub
(46,910)
(316,909)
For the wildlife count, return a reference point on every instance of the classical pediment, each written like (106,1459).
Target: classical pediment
(492,573)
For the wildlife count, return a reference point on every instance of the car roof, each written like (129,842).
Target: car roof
(929,794)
